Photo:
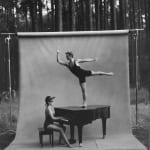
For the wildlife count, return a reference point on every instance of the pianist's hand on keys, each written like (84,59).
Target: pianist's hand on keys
(63,120)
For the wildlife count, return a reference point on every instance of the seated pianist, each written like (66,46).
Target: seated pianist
(52,122)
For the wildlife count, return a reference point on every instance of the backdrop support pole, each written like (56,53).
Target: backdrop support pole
(137,75)
(136,69)
(9,77)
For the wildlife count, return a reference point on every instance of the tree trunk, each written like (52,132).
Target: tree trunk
(32,18)
(105,15)
(72,16)
(113,15)
(40,15)
(146,14)
(58,15)
(127,14)
(101,15)
(53,15)
(16,15)
(148,26)
(33,14)
(139,15)
(66,15)
(97,14)
(26,19)
(89,15)
(121,14)
(83,15)
(148,20)
(132,14)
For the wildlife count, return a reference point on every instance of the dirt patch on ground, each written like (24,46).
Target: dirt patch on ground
(5,139)
(143,135)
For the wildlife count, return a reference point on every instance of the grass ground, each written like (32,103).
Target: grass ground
(140,129)
(6,139)
(6,135)
(141,126)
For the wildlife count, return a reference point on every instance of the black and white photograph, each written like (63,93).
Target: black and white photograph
(75,74)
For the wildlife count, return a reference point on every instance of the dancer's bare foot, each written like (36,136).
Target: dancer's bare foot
(80,145)
(84,105)
(110,73)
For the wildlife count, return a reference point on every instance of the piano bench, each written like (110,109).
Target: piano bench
(49,132)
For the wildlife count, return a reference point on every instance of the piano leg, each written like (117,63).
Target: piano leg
(72,140)
(104,127)
(80,133)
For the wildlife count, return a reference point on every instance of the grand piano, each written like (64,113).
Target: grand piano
(79,117)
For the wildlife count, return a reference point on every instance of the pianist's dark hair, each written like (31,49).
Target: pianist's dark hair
(48,99)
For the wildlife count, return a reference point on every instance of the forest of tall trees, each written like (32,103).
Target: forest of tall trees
(83,15)
(73,15)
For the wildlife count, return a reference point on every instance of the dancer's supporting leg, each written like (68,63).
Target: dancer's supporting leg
(83,85)
(84,93)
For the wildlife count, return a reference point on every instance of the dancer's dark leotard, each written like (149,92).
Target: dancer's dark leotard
(79,72)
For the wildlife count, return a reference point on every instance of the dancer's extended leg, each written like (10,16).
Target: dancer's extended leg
(94,73)
(84,94)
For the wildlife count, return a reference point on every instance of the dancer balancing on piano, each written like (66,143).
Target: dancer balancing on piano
(74,66)
(52,122)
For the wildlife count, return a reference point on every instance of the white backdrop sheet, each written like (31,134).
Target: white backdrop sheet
(41,75)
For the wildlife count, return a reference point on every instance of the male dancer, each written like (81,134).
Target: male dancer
(74,66)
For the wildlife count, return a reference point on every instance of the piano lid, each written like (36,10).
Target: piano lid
(78,108)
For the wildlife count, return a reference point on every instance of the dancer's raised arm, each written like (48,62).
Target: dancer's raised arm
(86,60)
(59,61)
